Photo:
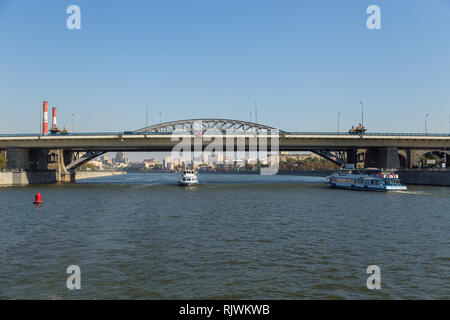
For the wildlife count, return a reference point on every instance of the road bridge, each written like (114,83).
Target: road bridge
(65,152)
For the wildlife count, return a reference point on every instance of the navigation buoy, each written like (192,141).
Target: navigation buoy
(38,199)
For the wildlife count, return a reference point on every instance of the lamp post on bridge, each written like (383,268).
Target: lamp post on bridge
(73,123)
(362,113)
(146,121)
(338,116)
(426,117)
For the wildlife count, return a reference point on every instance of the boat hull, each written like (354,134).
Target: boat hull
(371,179)
(187,183)
(368,188)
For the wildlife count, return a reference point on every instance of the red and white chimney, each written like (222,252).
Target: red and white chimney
(45,119)
(54,117)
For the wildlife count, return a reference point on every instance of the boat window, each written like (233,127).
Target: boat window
(392,182)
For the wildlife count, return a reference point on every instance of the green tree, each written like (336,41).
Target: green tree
(2,162)
(87,166)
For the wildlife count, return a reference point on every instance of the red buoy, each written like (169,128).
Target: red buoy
(38,199)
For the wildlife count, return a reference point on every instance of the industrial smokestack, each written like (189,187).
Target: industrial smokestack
(45,120)
(54,117)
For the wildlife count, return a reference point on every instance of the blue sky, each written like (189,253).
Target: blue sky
(302,61)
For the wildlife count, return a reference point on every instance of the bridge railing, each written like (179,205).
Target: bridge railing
(415,134)
(424,169)
(125,133)
(12,170)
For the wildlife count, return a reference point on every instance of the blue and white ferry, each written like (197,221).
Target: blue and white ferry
(366,179)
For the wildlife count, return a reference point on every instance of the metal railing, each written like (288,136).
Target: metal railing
(125,133)
(12,170)
(415,134)
(425,169)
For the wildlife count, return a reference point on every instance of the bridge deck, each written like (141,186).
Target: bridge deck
(131,133)
(288,141)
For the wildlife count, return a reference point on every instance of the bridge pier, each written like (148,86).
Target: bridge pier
(38,160)
(58,160)
(385,157)
(356,157)
(18,158)
(413,156)
(352,156)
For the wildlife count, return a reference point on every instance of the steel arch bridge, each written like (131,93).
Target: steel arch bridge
(195,125)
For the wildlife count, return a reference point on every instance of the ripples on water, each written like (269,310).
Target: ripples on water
(232,236)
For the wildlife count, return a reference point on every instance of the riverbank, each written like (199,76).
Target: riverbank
(425,177)
(23,178)
(83,175)
(309,173)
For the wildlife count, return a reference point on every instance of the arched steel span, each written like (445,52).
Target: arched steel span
(335,157)
(193,126)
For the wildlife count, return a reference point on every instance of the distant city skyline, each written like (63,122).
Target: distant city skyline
(303,62)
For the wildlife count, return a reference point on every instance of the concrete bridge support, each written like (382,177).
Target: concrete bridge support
(386,157)
(58,160)
(18,158)
(38,160)
(413,156)
(356,156)
(352,156)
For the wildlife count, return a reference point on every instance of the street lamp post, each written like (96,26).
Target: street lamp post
(426,117)
(362,113)
(146,121)
(73,123)
(338,116)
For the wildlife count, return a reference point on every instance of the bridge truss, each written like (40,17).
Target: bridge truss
(193,126)
(337,157)
(201,126)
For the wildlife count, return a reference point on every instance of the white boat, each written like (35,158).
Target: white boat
(188,177)
(366,179)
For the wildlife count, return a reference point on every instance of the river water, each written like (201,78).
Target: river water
(141,236)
